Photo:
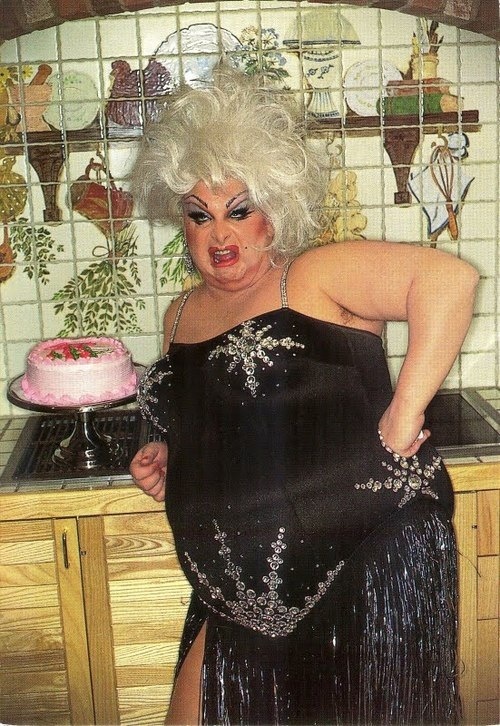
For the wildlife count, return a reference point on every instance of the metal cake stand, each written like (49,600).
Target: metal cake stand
(86,447)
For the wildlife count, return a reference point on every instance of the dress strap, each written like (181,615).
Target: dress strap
(283,291)
(178,315)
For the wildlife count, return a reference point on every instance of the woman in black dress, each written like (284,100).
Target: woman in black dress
(310,512)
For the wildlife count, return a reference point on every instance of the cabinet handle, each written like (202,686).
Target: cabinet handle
(65,549)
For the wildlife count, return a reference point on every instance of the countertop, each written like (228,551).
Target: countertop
(11,429)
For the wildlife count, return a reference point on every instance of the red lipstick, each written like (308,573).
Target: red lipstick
(224,256)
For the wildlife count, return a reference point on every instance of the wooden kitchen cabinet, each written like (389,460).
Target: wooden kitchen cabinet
(477,523)
(45,673)
(92,603)
(134,615)
(91,613)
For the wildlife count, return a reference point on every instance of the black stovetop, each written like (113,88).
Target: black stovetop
(462,419)
(461,423)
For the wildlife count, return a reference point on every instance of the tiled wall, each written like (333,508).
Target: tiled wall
(70,277)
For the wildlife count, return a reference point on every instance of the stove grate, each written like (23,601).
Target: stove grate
(41,436)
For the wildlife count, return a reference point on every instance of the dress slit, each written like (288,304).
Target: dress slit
(181,708)
(380,649)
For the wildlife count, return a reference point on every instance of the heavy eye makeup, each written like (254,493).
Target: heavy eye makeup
(242,211)
(199,216)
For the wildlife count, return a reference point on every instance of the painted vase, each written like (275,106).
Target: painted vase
(424,66)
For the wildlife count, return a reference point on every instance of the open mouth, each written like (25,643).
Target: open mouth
(224,256)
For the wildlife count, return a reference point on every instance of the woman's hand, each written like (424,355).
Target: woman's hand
(402,431)
(149,469)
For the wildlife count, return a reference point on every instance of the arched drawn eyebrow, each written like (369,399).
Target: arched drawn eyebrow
(236,196)
(228,203)
(204,204)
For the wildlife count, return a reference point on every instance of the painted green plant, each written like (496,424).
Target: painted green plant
(262,55)
(36,247)
(104,295)
(174,267)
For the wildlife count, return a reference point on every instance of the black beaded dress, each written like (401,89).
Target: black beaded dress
(323,564)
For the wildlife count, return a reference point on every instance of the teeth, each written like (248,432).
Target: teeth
(219,254)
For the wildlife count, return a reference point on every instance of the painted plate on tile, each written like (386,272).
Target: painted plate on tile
(74,101)
(202,46)
(364,83)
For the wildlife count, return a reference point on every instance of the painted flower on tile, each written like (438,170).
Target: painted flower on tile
(9,115)
(10,74)
(262,55)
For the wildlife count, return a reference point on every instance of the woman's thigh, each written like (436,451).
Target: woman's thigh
(184,709)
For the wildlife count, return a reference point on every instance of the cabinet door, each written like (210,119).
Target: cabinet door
(144,606)
(45,677)
(466,529)
(478,532)
(488,610)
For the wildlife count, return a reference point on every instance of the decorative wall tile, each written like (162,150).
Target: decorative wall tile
(478,369)
(397,338)
(476,226)
(120,39)
(482,335)
(41,45)
(485,298)
(38,286)
(80,40)
(22,322)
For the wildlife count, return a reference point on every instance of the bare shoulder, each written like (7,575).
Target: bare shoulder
(332,264)
(339,254)
(169,319)
(316,286)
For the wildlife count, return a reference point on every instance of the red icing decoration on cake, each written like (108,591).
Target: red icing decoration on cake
(79,371)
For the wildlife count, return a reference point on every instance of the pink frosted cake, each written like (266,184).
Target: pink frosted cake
(78,371)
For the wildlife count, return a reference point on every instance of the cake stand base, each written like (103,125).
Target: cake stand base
(86,447)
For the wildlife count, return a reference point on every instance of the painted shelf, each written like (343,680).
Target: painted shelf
(48,150)
(402,135)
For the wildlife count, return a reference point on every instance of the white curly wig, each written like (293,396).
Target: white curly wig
(233,128)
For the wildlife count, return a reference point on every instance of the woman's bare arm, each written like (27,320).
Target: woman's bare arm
(432,290)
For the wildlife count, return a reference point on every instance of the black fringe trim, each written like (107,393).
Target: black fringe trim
(380,650)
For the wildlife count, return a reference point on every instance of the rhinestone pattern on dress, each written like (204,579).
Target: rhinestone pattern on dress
(248,346)
(146,400)
(264,612)
(406,475)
